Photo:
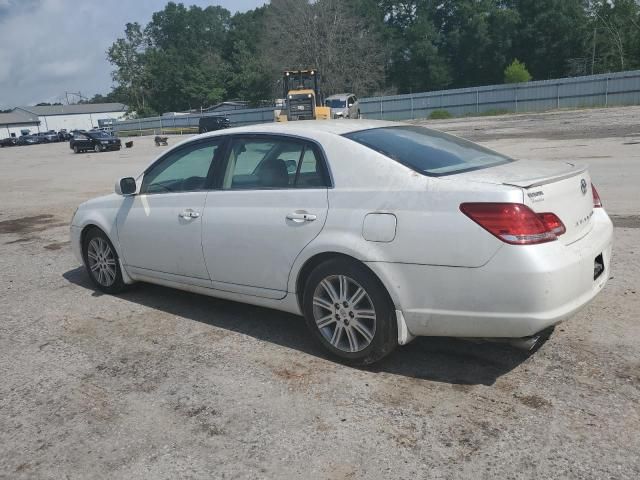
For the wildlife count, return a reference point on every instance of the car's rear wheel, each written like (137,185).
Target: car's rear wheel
(101,262)
(76,149)
(97,149)
(349,312)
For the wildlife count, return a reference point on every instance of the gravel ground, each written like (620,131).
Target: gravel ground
(158,383)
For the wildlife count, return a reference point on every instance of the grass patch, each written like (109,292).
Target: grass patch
(440,115)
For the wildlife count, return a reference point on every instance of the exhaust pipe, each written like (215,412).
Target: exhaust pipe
(526,344)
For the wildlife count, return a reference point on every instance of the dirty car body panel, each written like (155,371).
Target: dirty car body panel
(472,244)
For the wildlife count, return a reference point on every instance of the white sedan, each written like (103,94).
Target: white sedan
(376,232)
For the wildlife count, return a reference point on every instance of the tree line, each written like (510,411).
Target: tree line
(193,57)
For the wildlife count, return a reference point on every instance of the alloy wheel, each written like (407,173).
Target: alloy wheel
(344,313)
(102,261)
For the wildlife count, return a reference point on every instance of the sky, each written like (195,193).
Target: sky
(49,47)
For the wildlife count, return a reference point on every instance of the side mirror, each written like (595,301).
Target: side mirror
(126,186)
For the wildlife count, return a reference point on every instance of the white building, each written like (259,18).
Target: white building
(56,117)
(11,123)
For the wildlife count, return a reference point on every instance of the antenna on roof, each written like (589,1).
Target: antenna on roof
(77,94)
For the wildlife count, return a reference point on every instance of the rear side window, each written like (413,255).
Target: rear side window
(427,151)
(256,164)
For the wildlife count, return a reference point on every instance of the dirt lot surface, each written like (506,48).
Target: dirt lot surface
(156,383)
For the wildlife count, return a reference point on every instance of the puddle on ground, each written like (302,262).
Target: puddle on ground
(23,225)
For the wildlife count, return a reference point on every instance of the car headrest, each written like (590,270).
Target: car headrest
(273,173)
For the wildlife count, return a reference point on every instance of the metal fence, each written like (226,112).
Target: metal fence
(592,91)
(612,89)
(189,123)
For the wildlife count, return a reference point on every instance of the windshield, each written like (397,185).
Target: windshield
(428,151)
(300,81)
(335,103)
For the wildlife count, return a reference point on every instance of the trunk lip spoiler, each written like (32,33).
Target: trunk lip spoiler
(536,182)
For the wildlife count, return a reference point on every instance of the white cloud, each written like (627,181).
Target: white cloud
(49,47)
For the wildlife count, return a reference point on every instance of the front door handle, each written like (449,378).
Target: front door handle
(301,217)
(189,214)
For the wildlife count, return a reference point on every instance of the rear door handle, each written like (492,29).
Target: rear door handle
(301,217)
(189,214)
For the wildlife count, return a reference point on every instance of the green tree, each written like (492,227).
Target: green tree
(616,35)
(477,39)
(329,36)
(128,56)
(192,57)
(417,60)
(251,79)
(516,72)
(551,33)
(184,58)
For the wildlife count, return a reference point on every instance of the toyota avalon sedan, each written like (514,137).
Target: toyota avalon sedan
(375,232)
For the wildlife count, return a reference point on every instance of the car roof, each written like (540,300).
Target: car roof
(340,96)
(308,127)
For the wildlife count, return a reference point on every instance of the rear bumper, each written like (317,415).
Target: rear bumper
(519,292)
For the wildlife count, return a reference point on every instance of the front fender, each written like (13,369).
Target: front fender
(101,213)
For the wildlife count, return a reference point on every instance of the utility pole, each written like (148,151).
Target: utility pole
(593,56)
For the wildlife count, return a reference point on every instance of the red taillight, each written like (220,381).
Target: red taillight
(553,223)
(515,223)
(597,203)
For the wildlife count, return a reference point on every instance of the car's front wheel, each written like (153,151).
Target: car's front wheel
(97,149)
(101,262)
(76,149)
(349,312)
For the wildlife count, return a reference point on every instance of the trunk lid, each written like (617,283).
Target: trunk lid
(561,188)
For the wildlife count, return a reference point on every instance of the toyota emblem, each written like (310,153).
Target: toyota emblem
(583,186)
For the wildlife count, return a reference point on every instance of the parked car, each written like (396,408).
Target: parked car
(48,137)
(376,233)
(63,135)
(343,105)
(9,142)
(213,123)
(96,141)
(29,139)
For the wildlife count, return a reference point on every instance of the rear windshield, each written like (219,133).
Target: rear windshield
(427,151)
(100,134)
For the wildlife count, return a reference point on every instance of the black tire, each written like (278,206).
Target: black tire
(76,149)
(385,337)
(97,148)
(112,286)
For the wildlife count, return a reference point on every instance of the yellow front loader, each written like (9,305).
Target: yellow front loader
(303,100)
